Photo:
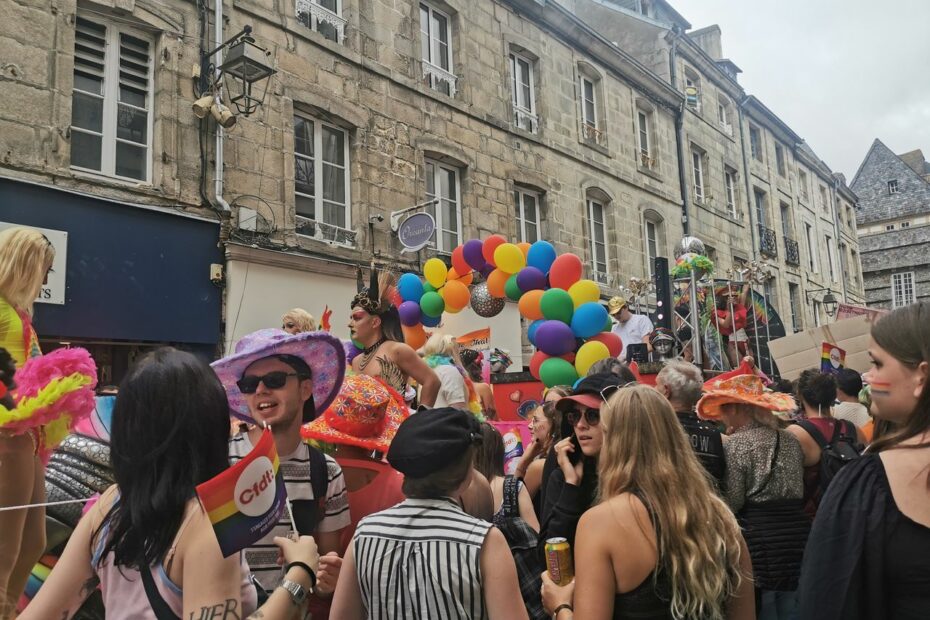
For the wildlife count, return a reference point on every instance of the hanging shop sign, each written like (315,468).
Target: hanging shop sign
(416,231)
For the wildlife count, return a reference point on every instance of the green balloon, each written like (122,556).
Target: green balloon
(511,289)
(428,288)
(556,371)
(432,304)
(557,305)
(609,325)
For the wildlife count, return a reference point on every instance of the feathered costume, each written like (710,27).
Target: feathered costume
(378,300)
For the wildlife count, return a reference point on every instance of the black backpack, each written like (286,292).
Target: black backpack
(522,540)
(842,449)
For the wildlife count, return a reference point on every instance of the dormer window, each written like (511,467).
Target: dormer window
(893,186)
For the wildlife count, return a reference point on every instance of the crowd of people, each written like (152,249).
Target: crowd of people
(691,498)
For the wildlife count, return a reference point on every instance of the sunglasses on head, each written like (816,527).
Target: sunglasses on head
(273,381)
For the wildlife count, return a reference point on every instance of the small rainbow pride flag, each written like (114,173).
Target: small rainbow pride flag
(832,358)
(245,502)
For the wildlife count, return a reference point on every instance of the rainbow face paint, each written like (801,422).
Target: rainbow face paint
(880,388)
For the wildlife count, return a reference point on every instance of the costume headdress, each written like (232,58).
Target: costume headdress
(741,389)
(377,300)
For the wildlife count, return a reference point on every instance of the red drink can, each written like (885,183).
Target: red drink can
(559,561)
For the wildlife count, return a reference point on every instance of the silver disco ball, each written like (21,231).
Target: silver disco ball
(483,303)
(690,244)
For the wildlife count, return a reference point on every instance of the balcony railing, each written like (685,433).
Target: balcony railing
(647,161)
(593,134)
(792,254)
(319,18)
(322,231)
(767,243)
(436,76)
(524,119)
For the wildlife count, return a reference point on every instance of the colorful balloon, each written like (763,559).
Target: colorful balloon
(590,352)
(541,255)
(472,253)
(512,289)
(458,261)
(415,336)
(497,282)
(509,258)
(539,357)
(611,341)
(410,287)
(410,314)
(556,371)
(584,291)
(435,272)
(454,275)
(456,295)
(530,279)
(565,271)
(555,338)
(432,304)
(556,304)
(431,321)
(529,305)
(588,319)
(490,245)
(531,331)
(524,247)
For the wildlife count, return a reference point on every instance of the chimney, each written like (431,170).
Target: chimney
(708,39)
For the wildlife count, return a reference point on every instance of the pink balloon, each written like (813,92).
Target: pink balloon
(565,271)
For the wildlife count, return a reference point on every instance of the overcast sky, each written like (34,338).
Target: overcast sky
(840,73)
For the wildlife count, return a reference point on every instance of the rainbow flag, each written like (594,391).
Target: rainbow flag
(832,358)
(245,502)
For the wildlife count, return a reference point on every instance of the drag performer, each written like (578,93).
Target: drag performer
(730,317)
(375,325)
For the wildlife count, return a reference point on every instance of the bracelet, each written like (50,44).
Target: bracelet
(555,613)
(306,568)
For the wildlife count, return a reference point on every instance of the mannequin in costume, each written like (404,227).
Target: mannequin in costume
(375,325)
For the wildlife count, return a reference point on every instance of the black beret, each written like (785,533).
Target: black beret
(432,440)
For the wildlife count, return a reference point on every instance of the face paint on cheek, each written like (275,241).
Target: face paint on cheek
(880,388)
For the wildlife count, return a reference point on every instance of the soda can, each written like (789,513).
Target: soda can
(559,561)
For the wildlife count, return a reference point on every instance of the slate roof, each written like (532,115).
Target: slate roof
(871,186)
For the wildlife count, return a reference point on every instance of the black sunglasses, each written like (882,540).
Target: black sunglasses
(591,416)
(273,381)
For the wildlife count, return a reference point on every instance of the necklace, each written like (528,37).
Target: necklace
(369,352)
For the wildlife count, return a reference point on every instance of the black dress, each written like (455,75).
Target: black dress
(864,558)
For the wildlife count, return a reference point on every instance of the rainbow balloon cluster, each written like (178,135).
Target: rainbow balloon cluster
(570,328)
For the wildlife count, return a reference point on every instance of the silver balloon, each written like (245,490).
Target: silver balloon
(483,303)
(690,244)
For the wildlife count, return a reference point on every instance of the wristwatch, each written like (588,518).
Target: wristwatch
(297,592)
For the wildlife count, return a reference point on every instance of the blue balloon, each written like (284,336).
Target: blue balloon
(431,321)
(531,330)
(410,287)
(588,319)
(541,255)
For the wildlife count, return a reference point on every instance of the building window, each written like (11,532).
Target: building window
(692,89)
(786,227)
(436,50)
(823,199)
(893,186)
(321,175)
(524,93)
(780,160)
(770,290)
(889,227)
(854,272)
(591,122)
(802,181)
(830,259)
(644,142)
(323,16)
(762,216)
(724,115)
(905,224)
(729,181)
(815,307)
(597,225)
(797,323)
(755,142)
(902,289)
(442,184)
(697,172)
(526,204)
(652,235)
(844,260)
(811,252)
(111,114)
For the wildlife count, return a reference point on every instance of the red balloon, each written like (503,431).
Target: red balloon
(490,244)
(565,271)
(612,340)
(539,357)
(458,261)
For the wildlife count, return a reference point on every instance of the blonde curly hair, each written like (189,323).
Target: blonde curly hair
(26,256)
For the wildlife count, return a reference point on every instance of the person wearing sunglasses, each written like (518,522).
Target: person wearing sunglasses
(571,489)
(281,381)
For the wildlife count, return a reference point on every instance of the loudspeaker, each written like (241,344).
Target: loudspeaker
(663,293)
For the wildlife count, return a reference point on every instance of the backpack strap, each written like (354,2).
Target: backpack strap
(815,433)
(156,601)
(319,474)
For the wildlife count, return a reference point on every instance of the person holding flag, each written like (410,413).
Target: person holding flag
(148,543)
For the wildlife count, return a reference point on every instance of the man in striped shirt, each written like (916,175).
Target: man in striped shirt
(425,558)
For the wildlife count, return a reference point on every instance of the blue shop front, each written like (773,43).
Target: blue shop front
(126,278)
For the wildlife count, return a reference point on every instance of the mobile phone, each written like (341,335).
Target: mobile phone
(575,456)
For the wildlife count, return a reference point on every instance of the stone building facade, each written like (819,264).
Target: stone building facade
(523,117)
(894,226)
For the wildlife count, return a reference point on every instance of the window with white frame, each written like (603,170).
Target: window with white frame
(830,259)
(786,228)
(724,114)
(597,217)
(590,113)
(794,299)
(893,186)
(321,175)
(730,185)
(323,16)
(692,89)
(111,106)
(802,181)
(905,224)
(436,49)
(902,289)
(524,94)
(811,248)
(889,226)
(443,184)
(697,174)
(643,138)
(780,164)
(652,235)
(770,290)
(761,205)
(755,143)
(824,203)
(526,204)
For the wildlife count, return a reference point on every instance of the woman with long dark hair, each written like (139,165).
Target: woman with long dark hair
(147,541)
(868,549)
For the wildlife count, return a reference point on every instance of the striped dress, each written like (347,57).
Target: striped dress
(421,559)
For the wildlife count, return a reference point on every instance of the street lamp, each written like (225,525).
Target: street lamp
(829,300)
(242,70)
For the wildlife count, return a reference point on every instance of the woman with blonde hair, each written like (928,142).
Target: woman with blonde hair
(456,389)
(675,550)
(298,321)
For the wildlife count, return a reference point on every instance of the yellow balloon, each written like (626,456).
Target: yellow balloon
(509,258)
(584,291)
(590,352)
(435,271)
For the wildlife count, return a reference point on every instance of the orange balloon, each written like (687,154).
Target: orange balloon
(529,305)
(454,275)
(497,280)
(524,247)
(415,336)
(456,295)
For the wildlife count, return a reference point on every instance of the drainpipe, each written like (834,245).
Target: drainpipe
(220,132)
(742,144)
(679,134)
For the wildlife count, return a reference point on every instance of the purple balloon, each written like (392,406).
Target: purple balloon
(471,251)
(531,279)
(555,338)
(410,314)
(487,269)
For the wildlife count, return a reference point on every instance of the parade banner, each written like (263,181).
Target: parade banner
(245,502)
(479,340)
